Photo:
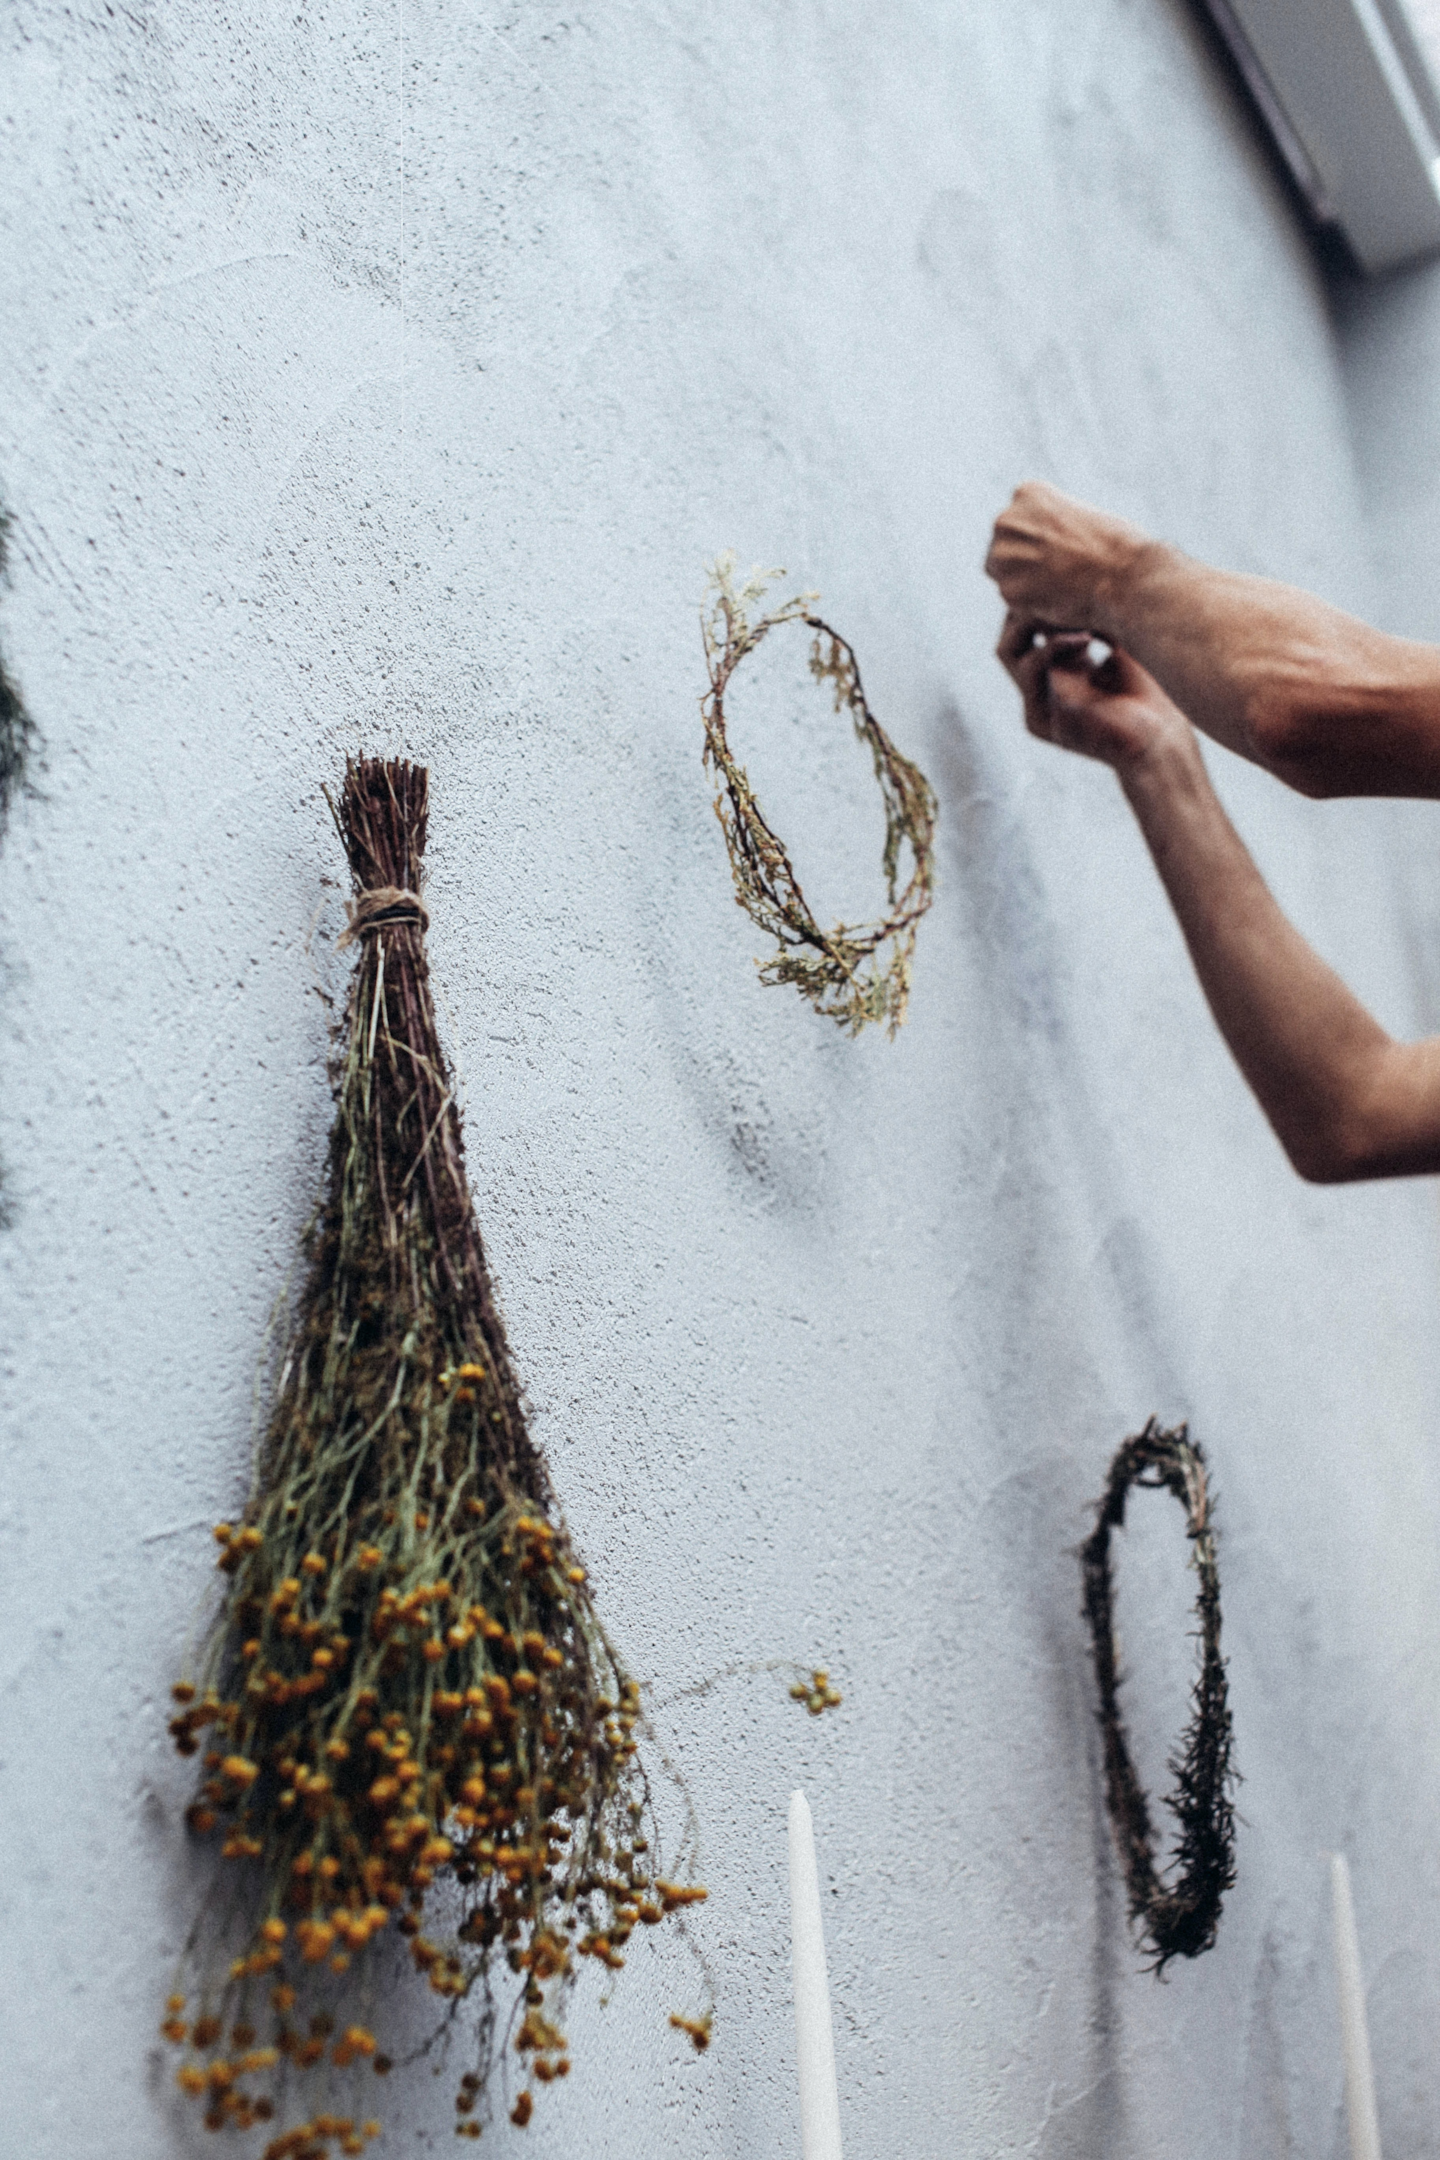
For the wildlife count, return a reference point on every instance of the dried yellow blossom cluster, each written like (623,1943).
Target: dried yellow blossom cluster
(816,1693)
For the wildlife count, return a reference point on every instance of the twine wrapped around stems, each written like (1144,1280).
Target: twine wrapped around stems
(1179,1919)
(384,908)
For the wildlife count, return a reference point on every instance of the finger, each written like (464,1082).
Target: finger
(1077,703)
(1069,649)
(1038,712)
(1010,562)
(1024,663)
(996,554)
(1012,542)
(1069,694)
(1027,672)
(1122,676)
(1032,679)
(1017,638)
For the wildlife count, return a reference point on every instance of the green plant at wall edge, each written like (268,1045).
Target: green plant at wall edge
(18,738)
(18,749)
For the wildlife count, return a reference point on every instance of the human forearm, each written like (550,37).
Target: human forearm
(1327,704)
(1320,699)
(1345,1100)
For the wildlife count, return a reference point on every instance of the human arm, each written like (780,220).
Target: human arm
(1321,700)
(1346,1101)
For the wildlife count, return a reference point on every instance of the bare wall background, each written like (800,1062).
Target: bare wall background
(383,374)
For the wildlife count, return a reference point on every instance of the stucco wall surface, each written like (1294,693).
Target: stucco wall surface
(383,376)
(1389,341)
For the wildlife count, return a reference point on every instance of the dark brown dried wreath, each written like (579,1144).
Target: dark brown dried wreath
(1178,1920)
(840,970)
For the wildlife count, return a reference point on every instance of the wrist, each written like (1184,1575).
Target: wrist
(1167,764)
(1132,565)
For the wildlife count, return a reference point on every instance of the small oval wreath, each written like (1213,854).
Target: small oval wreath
(1178,1920)
(840,971)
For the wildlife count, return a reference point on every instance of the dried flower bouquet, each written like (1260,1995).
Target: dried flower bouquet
(407,1686)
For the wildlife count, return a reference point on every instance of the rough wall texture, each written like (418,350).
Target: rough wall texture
(1389,341)
(383,375)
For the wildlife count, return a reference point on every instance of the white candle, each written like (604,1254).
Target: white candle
(814,2034)
(1354,2031)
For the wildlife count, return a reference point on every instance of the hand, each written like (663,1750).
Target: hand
(1059,562)
(1108,709)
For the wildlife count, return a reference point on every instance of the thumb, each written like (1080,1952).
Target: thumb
(1072,679)
(1120,676)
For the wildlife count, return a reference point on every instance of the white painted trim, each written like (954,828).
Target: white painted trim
(1344,89)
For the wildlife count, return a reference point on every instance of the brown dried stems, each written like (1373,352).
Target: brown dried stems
(840,971)
(1178,1920)
(407,1686)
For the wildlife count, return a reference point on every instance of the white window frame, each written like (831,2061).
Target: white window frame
(1355,112)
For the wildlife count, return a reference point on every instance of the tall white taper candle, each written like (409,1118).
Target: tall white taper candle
(1354,2031)
(814,2035)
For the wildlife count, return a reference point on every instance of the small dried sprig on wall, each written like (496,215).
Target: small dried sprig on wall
(1178,1919)
(817,1693)
(407,1687)
(855,972)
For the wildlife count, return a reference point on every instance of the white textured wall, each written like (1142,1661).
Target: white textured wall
(1390,347)
(829,1342)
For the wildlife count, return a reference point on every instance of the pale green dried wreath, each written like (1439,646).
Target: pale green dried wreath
(846,972)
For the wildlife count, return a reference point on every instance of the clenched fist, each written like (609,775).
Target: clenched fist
(1058,563)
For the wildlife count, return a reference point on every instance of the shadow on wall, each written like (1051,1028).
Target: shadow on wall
(1094,2119)
(1010,930)
(1090,1310)
(1264,2107)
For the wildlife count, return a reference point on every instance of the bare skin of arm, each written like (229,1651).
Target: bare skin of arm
(1325,703)
(1346,1100)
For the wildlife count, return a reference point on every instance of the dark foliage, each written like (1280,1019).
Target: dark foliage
(1181,1918)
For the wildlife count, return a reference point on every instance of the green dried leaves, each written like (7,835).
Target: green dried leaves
(1178,1920)
(855,972)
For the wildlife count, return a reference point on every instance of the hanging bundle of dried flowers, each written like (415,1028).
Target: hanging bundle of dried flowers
(844,972)
(407,1684)
(1177,1919)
